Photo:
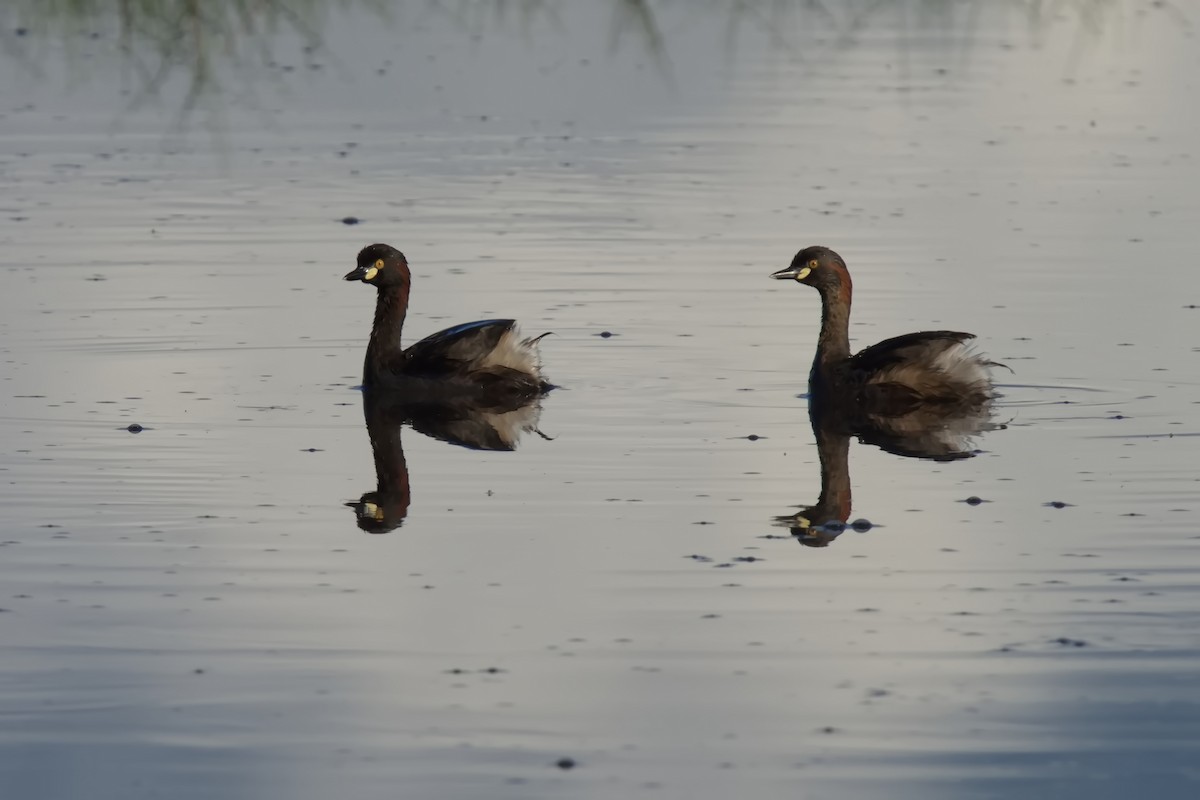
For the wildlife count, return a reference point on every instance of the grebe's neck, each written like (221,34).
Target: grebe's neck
(391,470)
(391,306)
(833,345)
(833,450)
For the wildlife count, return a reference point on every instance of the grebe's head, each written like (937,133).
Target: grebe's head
(380,265)
(816,266)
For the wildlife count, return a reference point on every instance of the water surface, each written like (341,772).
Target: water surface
(194,610)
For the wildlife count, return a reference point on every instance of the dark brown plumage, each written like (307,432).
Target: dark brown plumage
(484,361)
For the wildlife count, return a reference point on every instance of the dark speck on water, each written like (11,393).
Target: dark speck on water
(1057,504)
(565,763)
(135,428)
(606,334)
(974,500)
(861,525)
(350,220)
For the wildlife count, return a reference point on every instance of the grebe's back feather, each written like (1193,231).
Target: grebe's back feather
(492,346)
(923,367)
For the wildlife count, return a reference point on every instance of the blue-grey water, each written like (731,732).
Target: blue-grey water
(611,610)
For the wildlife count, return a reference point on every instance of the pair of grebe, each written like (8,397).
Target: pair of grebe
(488,362)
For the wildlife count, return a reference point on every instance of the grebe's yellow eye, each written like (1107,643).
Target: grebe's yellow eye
(379,264)
(813,264)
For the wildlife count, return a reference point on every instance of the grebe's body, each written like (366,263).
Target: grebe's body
(930,373)
(480,362)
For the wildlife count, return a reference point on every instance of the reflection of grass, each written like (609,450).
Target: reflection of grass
(206,43)
(637,16)
(845,19)
(163,37)
(213,45)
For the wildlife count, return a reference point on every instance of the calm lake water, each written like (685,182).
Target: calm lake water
(613,609)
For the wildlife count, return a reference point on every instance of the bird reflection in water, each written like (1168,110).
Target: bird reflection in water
(925,432)
(495,426)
